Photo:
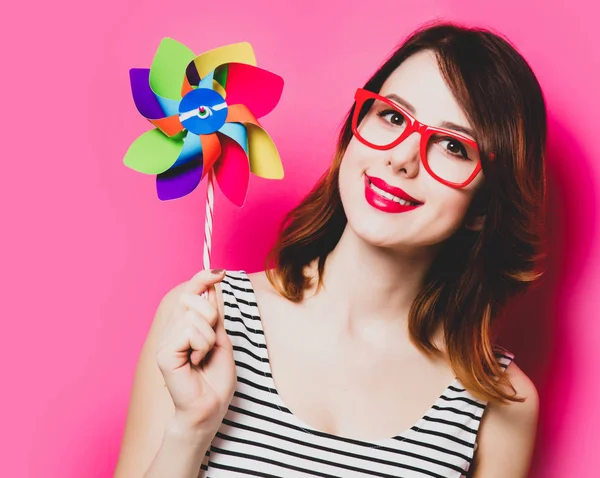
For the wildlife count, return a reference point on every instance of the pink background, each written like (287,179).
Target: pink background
(88,250)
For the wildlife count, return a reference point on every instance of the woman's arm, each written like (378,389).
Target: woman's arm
(507,433)
(156,442)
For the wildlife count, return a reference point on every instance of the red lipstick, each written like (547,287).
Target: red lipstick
(383,203)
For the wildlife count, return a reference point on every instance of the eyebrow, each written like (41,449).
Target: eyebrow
(444,124)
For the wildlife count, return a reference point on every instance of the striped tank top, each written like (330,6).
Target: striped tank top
(259,436)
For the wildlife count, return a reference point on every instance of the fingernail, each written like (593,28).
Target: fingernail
(217,272)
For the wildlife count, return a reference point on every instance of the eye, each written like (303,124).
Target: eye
(204,112)
(455,147)
(392,117)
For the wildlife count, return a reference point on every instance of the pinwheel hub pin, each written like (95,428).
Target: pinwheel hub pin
(202,111)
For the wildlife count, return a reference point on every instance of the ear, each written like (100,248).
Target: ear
(475,223)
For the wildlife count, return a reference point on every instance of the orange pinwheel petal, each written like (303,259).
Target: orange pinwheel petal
(240,114)
(186,87)
(169,125)
(211,150)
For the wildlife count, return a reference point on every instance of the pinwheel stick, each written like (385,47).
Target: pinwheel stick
(208,219)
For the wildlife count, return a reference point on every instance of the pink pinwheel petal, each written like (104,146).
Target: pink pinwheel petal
(232,171)
(258,89)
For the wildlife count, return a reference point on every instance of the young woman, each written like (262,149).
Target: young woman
(366,347)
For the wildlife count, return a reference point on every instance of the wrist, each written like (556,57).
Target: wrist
(180,426)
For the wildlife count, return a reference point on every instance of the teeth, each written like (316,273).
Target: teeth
(391,197)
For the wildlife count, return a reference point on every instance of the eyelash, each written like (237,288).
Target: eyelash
(387,112)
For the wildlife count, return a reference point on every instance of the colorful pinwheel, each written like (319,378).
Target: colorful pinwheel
(205,111)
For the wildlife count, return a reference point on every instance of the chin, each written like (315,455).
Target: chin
(377,233)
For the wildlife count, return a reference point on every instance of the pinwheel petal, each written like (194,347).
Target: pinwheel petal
(220,75)
(192,149)
(258,89)
(168,66)
(240,114)
(185,87)
(153,152)
(170,107)
(237,132)
(143,96)
(219,89)
(205,63)
(232,171)
(180,181)
(148,103)
(207,81)
(263,155)
(211,150)
(169,125)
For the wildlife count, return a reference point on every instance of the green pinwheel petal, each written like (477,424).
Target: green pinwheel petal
(153,152)
(168,68)
(220,75)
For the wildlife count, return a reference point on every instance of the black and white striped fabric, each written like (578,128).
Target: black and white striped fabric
(259,436)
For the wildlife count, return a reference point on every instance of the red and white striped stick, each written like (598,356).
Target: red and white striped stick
(208,224)
(208,220)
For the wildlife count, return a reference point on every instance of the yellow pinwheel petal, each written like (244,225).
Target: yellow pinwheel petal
(262,153)
(219,89)
(235,53)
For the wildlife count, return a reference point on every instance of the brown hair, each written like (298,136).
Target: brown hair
(475,273)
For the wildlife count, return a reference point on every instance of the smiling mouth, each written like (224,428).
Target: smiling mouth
(389,196)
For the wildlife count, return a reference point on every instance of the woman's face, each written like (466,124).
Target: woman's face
(418,81)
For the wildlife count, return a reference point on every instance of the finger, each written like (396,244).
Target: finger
(209,334)
(199,344)
(212,297)
(175,353)
(221,337)
(189,318)
(202,326)
(203,280)
(201,306)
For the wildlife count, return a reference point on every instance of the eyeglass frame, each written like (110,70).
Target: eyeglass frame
(414,125)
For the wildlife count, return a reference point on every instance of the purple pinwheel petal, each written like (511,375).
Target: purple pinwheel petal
(180,181)
(143,96)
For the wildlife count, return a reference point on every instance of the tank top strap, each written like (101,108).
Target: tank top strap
(463,408)
(242,319)
(503,356)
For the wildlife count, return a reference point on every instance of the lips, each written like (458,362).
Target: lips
(383,203)
(395,191)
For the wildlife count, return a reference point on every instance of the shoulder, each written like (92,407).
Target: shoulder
(516,413)
(260,282)
(507,432)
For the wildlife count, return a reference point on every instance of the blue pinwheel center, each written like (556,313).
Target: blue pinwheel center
(202,111)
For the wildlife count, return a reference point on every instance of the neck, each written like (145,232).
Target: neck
(364,283)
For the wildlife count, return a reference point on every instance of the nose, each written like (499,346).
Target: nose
(405,158)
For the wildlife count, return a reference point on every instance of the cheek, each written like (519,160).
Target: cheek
(351,168)
(359,157)
(448,214)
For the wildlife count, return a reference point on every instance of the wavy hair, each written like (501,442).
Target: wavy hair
(475,272)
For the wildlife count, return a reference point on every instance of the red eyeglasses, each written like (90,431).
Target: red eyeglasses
(451,158)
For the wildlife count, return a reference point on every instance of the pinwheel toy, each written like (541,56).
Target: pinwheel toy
(205,110)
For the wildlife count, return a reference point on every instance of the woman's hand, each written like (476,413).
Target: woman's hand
(195,355)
